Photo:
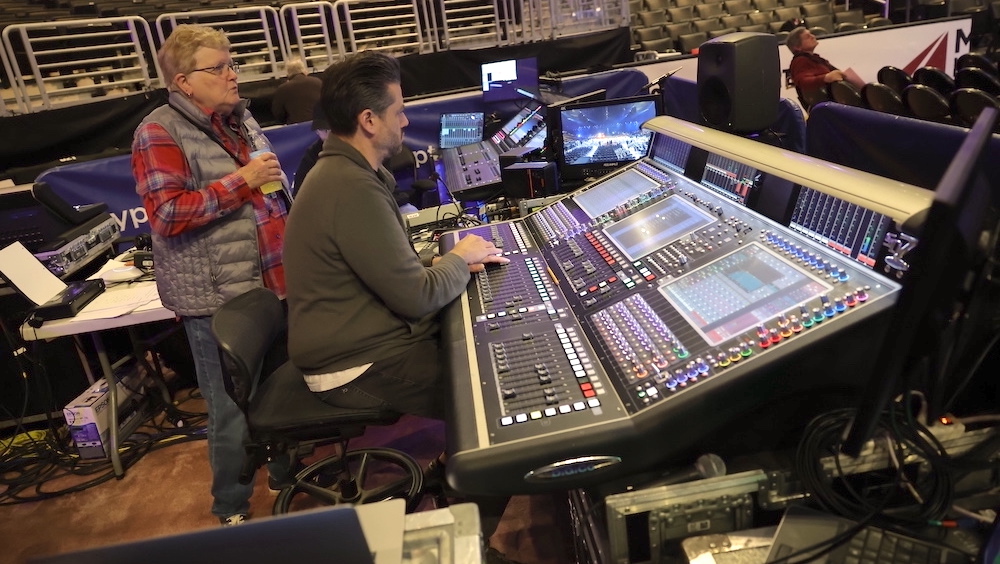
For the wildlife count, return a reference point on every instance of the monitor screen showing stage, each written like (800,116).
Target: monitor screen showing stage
(599,137)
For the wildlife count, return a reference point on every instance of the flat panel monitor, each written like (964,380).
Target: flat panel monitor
(601,136)
(501,80)
(460,128)
(943,307)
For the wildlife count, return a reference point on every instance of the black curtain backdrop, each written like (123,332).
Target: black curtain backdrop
(32,143)
(455,70)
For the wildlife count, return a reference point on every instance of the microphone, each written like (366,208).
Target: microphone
(706,466)
(657,81)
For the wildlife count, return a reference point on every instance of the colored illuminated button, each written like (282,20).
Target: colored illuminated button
(505,421)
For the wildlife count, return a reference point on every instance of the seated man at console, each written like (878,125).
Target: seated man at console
(363,308)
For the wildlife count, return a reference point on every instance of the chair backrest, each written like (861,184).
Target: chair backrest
(823,21)
(761,17)
(653,17)
(895,78)
(880,97)
(720,32)
(736,20)
(979,61)
(658,5)
(848,26)
(734,7)
(766,5)
(661,45)
(650,33)
(709,10)
(926,103)
(707,25)
(246,328)
(855,16)
(676,30)
(810,98)
(681,13)
(816,9)
(966,103)
(843,92)
(935,78)
(974,77)
(691,41)
(787,13)
(753,28)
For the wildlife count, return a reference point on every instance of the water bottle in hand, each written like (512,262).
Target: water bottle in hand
(259,145)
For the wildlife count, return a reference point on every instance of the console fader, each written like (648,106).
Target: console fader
(638,315)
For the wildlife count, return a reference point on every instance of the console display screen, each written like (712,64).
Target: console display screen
(738,292)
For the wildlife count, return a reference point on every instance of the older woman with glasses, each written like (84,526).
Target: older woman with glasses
(203,172)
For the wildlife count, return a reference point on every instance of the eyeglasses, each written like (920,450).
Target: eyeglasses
(220,68)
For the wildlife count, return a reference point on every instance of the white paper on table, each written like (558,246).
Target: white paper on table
(28,274)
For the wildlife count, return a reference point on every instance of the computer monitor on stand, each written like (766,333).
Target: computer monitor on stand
(933,327)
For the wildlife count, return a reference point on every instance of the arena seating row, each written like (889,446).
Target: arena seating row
(930,93)
(660,27)
(84,49)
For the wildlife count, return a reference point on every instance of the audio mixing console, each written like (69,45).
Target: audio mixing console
(637,316)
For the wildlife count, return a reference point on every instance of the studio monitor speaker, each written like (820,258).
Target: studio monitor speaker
(739,78)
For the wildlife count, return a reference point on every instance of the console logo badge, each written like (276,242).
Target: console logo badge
(570,468)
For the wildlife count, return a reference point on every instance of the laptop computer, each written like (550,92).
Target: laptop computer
(321,535)
(804,534)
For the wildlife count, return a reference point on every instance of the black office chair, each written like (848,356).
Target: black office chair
(420,192)
(284,416)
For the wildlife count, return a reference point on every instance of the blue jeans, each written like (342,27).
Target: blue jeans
(227,428)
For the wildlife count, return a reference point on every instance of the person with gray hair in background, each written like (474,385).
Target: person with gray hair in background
(217,203)
(809,72)
(294,100)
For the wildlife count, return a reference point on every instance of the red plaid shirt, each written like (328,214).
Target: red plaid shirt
(161,174)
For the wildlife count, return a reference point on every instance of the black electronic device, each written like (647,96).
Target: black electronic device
(473,172)
(938,311)
(553,135)
(649,307)
(530,179)
(64,238)
(460,128)
(72,215)
(69,301)
(503,80)
(739,81)
(600,136)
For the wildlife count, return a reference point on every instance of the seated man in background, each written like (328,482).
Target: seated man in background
(810,73)
(295,98)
